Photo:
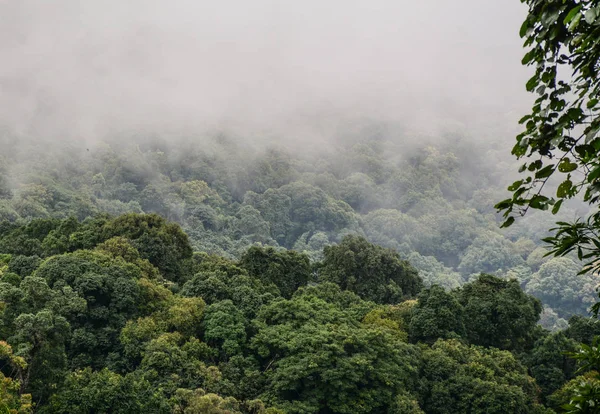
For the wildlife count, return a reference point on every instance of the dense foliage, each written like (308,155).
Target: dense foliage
(115,314)
(367,275)
(207,276)
(430,203)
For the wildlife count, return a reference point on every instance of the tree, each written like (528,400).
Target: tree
(469,379)
(5,190)
(389,228)
(371,271)
(312,245)
(319,358)
(40,339)
(434,272)
(578,396)
(448,233)
(34,321)
(561,140)
(498,313)
(583,329)
(111,294)
(250,224)
(12,400)
(164,244)
(170,362)
(489,252)
(225,327)
(104,391)
(219,279)
(200,402)
(23,265)
(274,207)
(583,392)
(559,285)
(288,270)
(297,208)
(549,363)
(437,315)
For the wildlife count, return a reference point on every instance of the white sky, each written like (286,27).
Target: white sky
(83,68)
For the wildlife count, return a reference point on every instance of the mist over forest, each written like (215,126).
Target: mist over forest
(270,207)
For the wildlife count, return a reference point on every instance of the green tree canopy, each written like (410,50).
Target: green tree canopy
(104,391)
(558,282)
(498,313)
(288,270)
(320,358)
(463,379)
(371,271)
(437,315)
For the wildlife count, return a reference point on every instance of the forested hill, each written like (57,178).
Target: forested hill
(120,315)
(432,202)
(218,278)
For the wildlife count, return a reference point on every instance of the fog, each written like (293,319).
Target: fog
(296,70)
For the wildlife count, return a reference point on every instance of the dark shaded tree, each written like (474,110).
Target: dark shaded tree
(437,315)
(373,272)
(497,313)
(288,270)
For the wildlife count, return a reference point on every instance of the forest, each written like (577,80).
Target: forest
(344,260)
(150,277)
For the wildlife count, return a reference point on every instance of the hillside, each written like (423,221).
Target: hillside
(190,279)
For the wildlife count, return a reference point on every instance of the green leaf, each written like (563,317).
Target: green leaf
(509,221)
(532,83)
(590,16)
(529,56)
(571,14)
(545,172)
(594,174)
(539,202)
(556,206)
(504,204)
(584,150)
(536,165)
(591,103)
(564,188)
(591,134)
(524,27)
(524,119)
(566,166)
(574,22)
(515,185)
